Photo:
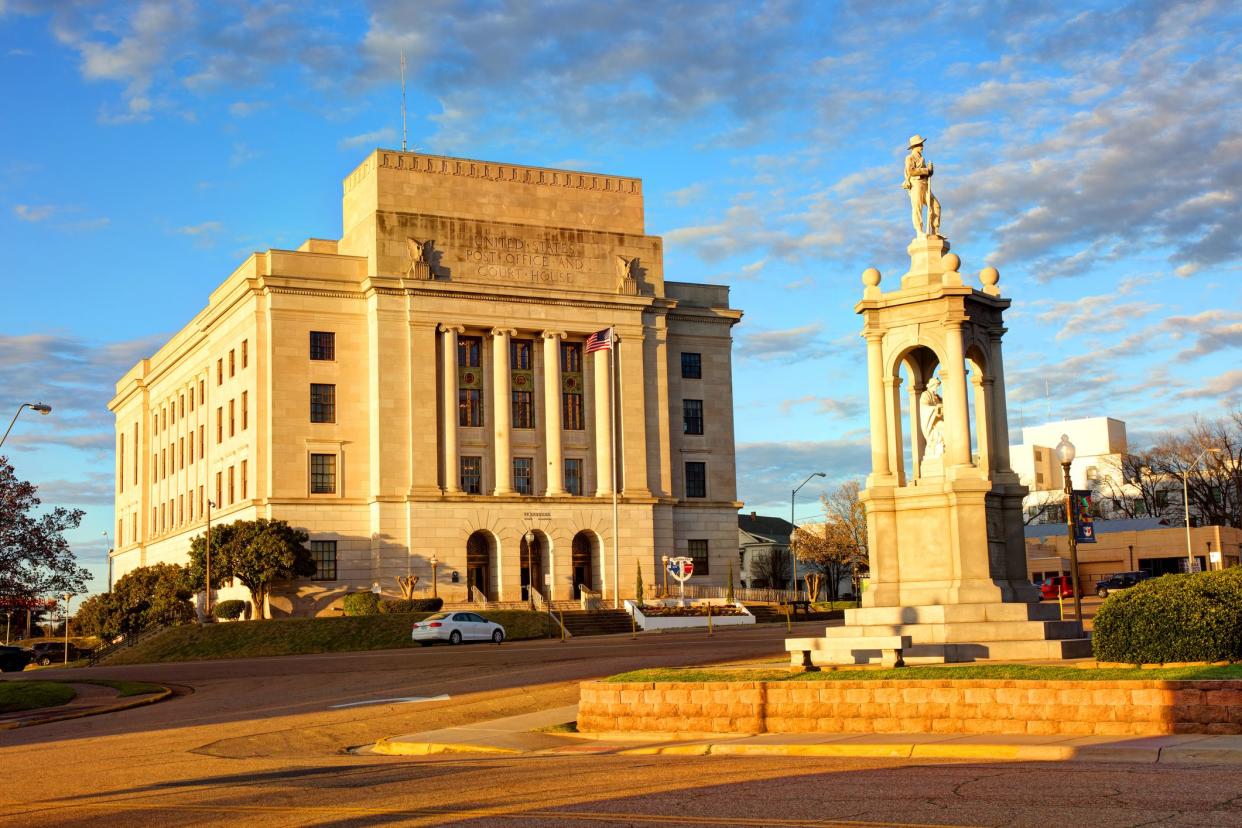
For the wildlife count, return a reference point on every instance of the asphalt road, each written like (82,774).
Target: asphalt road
(262,740)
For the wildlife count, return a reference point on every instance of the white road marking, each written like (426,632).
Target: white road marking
(402,700)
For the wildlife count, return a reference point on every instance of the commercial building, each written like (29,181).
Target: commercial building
(424,388)
(1129,545)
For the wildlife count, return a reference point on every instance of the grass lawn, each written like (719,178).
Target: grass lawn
(32,695)
(296,636)
(125,688)
(1011,672)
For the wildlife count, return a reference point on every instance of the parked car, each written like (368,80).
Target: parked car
(14,659)
(53,652)
(456,627)
(1118,582)
(1058,585)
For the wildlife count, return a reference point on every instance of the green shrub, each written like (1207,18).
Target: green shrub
(361,603)
(1174,618)
(229,610)
(396,607)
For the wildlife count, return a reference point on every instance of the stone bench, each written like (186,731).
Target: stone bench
(803,651)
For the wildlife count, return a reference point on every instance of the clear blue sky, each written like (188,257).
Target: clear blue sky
(1091,152)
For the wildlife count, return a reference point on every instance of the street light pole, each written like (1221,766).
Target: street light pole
(1065,453)
(434,563)
(65,613)
(1190,558)
(207,600)
(40,407)
(793,559)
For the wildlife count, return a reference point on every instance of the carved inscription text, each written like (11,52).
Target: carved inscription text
(524,260)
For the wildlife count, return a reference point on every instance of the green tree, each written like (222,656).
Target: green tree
(258,553)
(159,594)
(35,558)
(638,584)
(729,594)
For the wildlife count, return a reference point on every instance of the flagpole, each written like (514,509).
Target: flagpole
(612,442)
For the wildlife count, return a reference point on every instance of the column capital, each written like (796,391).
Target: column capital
(553,335)
(873,336)
(445,327)
(499,332)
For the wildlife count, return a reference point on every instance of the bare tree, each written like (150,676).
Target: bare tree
(1213,478)
(839,546)
(772,567)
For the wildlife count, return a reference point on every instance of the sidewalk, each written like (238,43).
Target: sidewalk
(520,735)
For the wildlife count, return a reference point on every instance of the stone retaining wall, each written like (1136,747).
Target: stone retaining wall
(1070,708)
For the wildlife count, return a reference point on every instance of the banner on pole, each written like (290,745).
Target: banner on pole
(1084,527)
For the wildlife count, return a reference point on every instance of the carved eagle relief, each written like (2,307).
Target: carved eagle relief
(626,268)
(420,253)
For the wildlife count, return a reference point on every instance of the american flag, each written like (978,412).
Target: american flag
(599,341)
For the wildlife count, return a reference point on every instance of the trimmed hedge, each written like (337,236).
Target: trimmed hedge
(229,610)
(1175,618)
(361,603)
(393,606)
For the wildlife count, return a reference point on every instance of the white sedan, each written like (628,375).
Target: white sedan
(456,627)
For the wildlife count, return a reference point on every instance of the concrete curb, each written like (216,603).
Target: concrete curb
(395,747)
(90,711)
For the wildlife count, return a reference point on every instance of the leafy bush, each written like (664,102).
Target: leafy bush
(1174,618)
(158,594)
(361,603)
(229,610)
(395,607)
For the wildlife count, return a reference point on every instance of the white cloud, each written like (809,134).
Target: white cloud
(375,138)
(28,212)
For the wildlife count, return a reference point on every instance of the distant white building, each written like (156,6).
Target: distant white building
(1100,445)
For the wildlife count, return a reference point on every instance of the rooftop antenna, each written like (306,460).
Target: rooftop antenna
(403,144)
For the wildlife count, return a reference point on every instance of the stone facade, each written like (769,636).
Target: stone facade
(980,706)
(421,387)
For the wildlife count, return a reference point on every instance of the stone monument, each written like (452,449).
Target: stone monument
(944,508)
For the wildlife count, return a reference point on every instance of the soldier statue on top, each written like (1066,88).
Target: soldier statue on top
(918,181)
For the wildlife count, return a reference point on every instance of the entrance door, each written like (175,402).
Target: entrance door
(583,551)
(478,565)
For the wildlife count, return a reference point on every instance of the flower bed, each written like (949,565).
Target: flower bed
(671,613)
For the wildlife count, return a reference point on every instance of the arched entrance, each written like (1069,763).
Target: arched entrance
(481,569)
(585,571)
(534,553)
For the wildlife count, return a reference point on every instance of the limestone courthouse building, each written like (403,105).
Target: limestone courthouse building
(436,386)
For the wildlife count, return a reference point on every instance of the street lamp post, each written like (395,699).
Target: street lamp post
(530,571)
(40,407)
(65,614)
(434,563)
(1190,558)
(793,559)
(1065,454)
(207,600)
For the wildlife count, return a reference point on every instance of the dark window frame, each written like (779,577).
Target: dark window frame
(322,402)
(323,346)
(692,416)
(323,552)
(696,482)
(573,412)
(575,478)
(323,480)
(470,408)
(691,365)
(702,562)
(524,469)
(470,468)
(523,409)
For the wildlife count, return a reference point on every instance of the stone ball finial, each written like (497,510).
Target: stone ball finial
(871,277)
(951,262)
(989,276)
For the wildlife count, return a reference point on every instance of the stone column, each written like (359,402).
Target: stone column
(983,421)
(552,412)
(501,409)
(875,391)
(602,436)
(896,456)
(956,416)
(917,446)
(448,360)
(999,412)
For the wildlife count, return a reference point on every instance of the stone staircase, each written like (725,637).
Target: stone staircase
(774,614)
(599,622)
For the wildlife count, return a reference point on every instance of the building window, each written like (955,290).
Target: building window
(172,409)
(697,551)
(244,409)
(202,441)
(202,392)
(324,555)
(163,514)
(163,463)
(691,366)
(522,482)
(573,475)
(232,362)
(571,357)
(220,371)
(245,352)
(571,412)
(692,416)
(219,424)
(191,397)
(519,354)
(472,475)
(470,407)
(322,403)
(181,404)
(232,490)
(180,509)
(189,506)
(323,345)
(242,472)
(232,417)
(469,352)
(202,501)
(181,452)
(696,480)
(323,473)
(219,489)
(523,409)
(155,467)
